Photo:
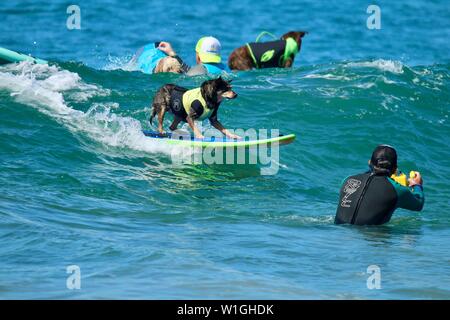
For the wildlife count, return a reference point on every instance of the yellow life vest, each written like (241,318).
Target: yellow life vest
(195,94)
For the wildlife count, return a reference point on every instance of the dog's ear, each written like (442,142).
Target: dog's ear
(209,91)
(296,35)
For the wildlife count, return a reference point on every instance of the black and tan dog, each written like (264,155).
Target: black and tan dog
(273,54)
(190,105)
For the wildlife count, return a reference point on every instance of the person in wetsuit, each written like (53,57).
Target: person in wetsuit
(207,56)
(372,197)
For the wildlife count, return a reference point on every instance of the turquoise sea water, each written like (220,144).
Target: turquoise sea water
(80,185)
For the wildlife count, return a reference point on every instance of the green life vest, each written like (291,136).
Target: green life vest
(195,94)
(272,54)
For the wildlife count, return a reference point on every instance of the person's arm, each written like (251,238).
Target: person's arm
(412,197)
(166,47)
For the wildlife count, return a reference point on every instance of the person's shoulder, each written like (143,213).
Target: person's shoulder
(357,176)
(225,67)
(349,177)
(196,70)
(221,66)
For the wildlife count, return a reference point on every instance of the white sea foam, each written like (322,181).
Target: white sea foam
(120,63)
(42,87)
(327,76)
(366,85)
(386,80)
(381,64)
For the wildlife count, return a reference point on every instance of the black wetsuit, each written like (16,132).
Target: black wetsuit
(369,199)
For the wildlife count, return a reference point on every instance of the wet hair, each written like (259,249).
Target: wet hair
(384,160)
(168,64)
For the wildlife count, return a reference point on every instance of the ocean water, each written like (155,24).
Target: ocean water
(80,185)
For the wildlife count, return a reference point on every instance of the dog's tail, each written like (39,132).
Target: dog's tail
(152,116)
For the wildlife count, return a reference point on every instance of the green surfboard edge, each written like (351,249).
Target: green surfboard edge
(282,140)
(9,56)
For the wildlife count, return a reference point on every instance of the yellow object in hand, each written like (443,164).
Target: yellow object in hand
(400,178)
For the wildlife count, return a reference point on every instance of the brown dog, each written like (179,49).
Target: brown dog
(273,54)
(190,105)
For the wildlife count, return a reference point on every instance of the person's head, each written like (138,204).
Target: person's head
(207,50)
(384,160)
(168,64)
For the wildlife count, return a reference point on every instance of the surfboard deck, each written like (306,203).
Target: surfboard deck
(9,56)
(216,142)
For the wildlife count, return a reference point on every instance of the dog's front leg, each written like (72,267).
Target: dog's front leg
(194,128)
(216,124)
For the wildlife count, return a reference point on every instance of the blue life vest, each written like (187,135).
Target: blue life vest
(149,58)
(215,68)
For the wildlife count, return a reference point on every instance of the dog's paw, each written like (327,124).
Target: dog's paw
(163,134)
